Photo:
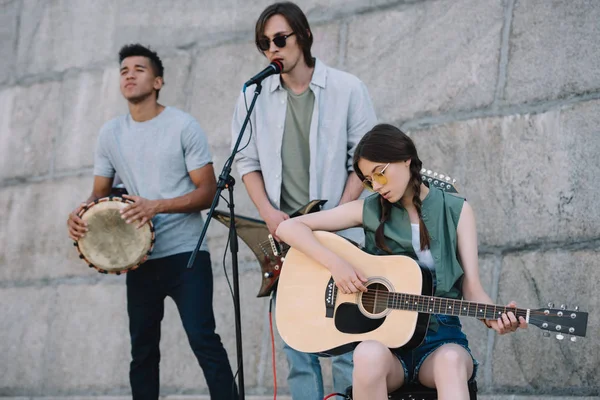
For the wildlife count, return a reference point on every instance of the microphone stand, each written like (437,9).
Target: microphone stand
(227,181)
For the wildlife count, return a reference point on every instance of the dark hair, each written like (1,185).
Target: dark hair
(387,144)
(298,22)
(131,50)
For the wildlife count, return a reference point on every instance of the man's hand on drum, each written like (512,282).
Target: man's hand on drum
(141,210)
(77,228)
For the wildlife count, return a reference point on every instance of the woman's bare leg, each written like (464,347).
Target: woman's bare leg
(448,369)
(376,371)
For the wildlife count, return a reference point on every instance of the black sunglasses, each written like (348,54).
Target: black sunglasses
(264,43)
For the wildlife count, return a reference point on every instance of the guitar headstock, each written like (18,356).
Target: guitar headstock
(440,181)
(560,321)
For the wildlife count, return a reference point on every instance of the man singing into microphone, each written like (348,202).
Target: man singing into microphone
(305,126)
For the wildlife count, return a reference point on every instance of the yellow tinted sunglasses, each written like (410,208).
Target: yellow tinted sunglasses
(377,177)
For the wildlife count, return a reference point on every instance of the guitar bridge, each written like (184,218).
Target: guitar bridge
(330,293)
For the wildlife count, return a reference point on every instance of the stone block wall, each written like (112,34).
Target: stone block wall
(504,95)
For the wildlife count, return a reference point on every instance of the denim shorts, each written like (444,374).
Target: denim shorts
(449,331)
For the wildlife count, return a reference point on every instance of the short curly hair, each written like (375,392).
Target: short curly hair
(131,50)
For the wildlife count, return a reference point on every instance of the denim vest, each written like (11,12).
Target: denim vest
(440,212)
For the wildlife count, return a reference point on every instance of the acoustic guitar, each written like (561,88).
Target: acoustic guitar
(314,317)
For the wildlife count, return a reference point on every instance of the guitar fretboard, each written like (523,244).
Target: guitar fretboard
(440,305)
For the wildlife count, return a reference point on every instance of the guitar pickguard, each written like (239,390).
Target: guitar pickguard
(349,319)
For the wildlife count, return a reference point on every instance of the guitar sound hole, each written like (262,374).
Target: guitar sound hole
(375,300)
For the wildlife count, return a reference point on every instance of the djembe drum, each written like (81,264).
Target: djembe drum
(111,245)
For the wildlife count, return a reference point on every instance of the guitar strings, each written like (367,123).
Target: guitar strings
(381,305)
(384,297)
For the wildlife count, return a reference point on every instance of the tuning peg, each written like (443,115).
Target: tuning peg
(550,305)
(576,308)
(441,176)
(423,170)
(435,174)
(429,172)
(268,275)
(546,334)
(563,307)
(573,338)
(560,336)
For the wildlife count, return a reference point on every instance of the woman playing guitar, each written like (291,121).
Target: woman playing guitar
(405,217)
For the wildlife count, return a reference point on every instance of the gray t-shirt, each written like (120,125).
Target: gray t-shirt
(295,151)
(153,158)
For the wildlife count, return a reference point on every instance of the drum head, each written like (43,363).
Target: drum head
(111,245)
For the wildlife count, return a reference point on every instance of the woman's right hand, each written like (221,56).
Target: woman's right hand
(77,228)
(347,279)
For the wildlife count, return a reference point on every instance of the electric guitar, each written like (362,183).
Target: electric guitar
(270,253)
(314,317)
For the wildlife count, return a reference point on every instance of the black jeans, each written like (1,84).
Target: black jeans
(192,291)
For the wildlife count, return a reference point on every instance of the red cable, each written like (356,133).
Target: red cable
(273,357)
(334,394)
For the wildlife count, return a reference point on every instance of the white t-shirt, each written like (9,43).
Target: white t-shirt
(425,256)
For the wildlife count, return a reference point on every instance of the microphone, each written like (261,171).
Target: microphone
(274,68)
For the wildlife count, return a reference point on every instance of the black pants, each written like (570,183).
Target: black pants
(192,291)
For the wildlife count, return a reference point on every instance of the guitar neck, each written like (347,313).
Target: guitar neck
(440,305)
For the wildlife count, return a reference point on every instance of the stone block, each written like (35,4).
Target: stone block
(326,44)
(56,36)
(9,18)
(177,74)
(26,314)
(552,46)
(477,334)
(431,57)
(525,361)
(528,177)
(36,243)
(87,348)
(30,120)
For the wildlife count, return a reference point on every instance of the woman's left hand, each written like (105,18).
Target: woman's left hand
(508,322)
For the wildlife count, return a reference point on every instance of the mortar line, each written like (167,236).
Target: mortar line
(504,52)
